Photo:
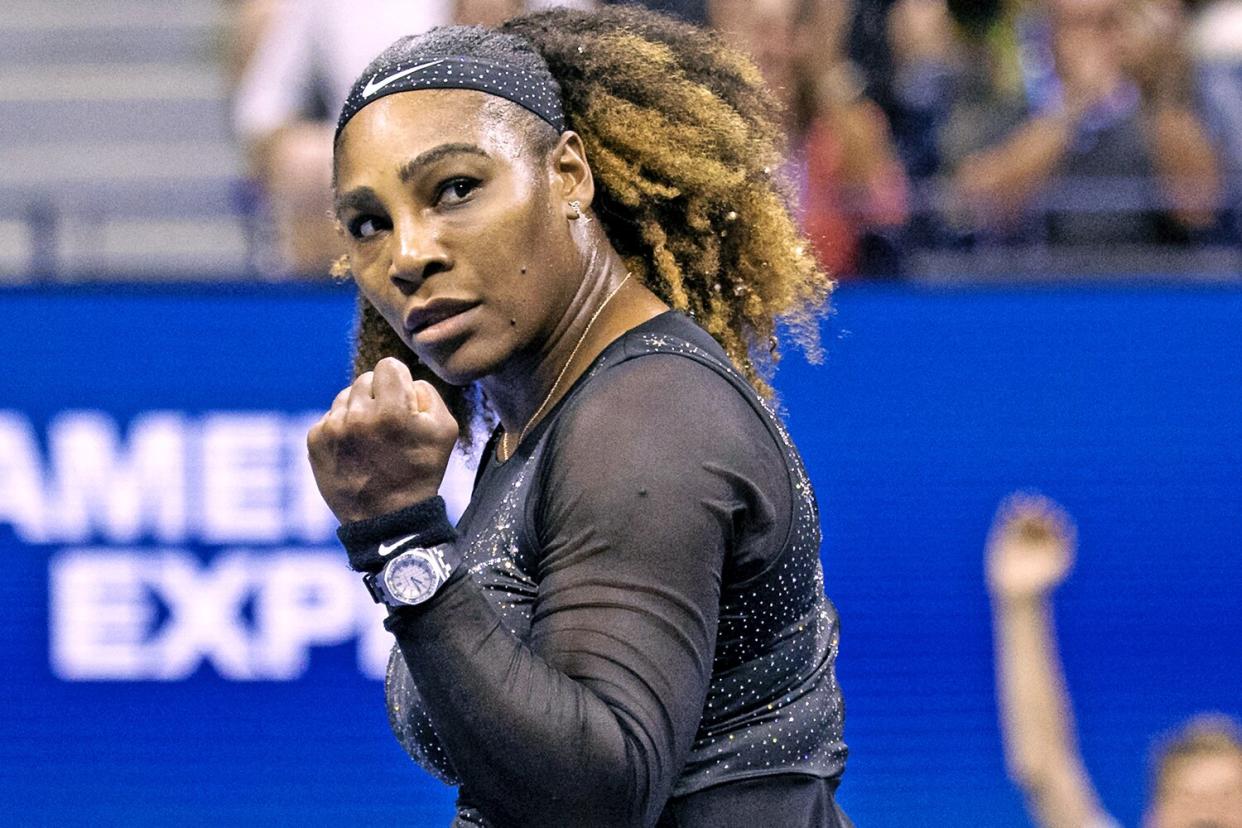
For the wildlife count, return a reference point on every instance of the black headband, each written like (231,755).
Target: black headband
(535,92)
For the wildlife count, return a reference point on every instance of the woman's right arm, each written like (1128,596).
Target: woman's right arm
(654,476)
(1029,553)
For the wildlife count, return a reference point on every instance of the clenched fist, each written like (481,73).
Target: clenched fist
(383,445)
(1030,549)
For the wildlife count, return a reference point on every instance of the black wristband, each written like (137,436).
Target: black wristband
(425,523)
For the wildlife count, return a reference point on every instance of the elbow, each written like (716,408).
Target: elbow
(1029,760)
(628,790)
(1026,770)
(1045,775)
(620,790)
(626,784)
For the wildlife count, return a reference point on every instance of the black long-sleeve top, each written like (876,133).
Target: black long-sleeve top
(638,633)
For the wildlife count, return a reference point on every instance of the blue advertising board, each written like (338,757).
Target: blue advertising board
(184,644)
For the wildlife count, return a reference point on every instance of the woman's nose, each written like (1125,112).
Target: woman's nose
(417,253)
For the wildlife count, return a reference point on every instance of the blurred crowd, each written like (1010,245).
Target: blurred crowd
(954,125)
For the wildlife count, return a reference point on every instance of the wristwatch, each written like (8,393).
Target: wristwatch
(413,574)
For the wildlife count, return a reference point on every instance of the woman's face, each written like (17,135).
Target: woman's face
(458,231)
(1199,792)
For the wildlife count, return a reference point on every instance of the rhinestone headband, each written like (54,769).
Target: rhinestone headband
(537,93)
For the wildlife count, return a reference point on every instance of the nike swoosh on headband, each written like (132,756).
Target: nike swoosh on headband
(372,87)
(386,549)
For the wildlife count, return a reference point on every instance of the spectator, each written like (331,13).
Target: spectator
(1085,101)
(924,53)
(1197,772)
(692,11)
(850,185)
(1216,48)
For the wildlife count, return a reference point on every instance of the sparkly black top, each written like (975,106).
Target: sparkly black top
(644,616)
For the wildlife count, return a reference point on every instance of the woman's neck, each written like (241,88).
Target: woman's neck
(608,304)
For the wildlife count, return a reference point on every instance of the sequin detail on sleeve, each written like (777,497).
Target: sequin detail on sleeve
(495,562)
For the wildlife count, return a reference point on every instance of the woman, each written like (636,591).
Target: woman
(628,625)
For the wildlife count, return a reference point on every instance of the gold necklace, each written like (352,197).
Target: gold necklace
(504,438)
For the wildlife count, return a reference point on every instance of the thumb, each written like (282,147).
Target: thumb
(428,402)
(426,399)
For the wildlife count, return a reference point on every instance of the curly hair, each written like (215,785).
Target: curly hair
(685,145)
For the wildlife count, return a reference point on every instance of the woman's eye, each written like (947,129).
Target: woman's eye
(364,227)
(457,189)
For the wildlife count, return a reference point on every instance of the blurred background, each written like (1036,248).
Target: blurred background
(1033,209)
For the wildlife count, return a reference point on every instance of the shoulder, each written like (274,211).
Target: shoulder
(662,397)
(661,442)
(658,394)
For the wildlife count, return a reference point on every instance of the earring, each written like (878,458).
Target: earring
(578,213)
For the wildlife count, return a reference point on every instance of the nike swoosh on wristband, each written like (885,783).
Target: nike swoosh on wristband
(386,549)
(372,87)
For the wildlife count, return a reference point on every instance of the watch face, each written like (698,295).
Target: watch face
(411,578)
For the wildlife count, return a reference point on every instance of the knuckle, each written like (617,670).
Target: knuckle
(391,424)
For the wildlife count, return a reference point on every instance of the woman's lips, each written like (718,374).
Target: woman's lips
(438,319)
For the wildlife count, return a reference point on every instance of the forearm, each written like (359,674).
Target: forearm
(999,182)
(531,744)
(1186,163)
(1030,687)
(1036,719)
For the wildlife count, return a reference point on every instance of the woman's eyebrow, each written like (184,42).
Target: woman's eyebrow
(412,167)
(365,199)
(360,199)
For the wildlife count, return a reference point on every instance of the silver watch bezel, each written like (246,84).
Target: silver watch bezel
(431,559)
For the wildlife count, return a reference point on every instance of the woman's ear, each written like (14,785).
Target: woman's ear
(572,182)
